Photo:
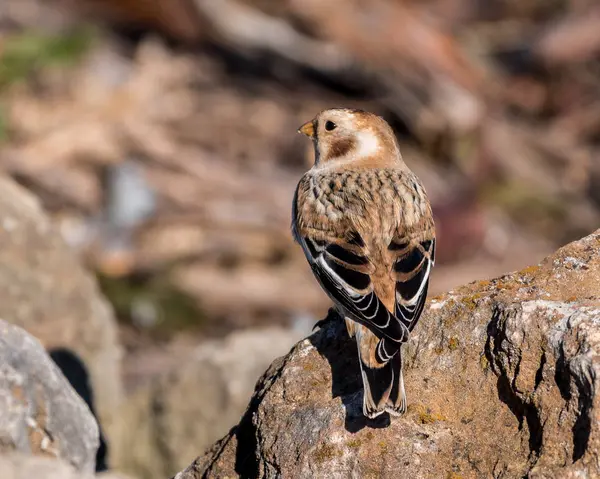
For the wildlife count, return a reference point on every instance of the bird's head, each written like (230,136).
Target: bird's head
(342,135)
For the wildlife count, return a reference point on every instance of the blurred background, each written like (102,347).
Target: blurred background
(160,135)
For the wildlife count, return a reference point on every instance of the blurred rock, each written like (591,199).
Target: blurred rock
(44,290)
(197,401)
(112,475)
(214,218)
(48,15)
(40,413)
(177,18)
(21,466)
(517,355)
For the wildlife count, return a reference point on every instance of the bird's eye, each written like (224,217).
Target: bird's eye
(329,125)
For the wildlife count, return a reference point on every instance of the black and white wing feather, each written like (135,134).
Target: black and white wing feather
(412,269)
(344,275)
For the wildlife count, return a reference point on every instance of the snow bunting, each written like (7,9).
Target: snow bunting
(365,224)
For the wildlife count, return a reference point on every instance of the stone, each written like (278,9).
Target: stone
(45,290)
(194,403)
(501,377)
(40,413)
(23,466)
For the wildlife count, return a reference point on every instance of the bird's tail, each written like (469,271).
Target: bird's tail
(381,367)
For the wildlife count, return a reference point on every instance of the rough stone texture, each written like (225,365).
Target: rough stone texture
(44,290)
(501,381)
(195,403)
(41,414)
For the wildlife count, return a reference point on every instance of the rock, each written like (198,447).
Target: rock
(76,373)
(44,290)
(501,379)
(112,475)
(40,413)
(195,402)
(22,466)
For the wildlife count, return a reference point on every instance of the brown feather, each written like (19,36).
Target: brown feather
(341,147)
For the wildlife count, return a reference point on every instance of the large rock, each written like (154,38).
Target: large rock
(502,380)
(44,289)
(40,413)
(194,403)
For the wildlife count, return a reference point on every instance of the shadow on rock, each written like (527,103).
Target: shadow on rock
(76,373)
(334,344)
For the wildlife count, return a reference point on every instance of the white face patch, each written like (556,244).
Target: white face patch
(362,144)
(368,144)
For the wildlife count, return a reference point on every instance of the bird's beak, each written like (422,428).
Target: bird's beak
(307,129)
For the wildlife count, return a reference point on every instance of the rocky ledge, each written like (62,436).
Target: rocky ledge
(501,381)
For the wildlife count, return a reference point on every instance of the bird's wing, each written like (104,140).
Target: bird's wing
(343,269)
(341,263)
(412,262)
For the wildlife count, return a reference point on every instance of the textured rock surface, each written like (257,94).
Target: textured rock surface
(194,404)
(44,290)
(501,380)
(41,414)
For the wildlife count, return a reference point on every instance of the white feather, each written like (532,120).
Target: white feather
(368,144)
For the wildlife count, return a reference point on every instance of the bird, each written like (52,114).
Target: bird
(365,224)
